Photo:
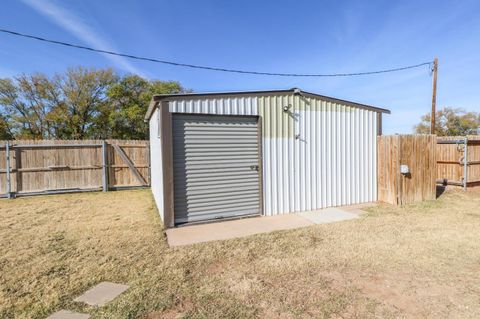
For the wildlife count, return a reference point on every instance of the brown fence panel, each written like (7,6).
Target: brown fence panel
(450,160)
(473,161)
(3,175)
(387,167)
(418,153)
(42,166)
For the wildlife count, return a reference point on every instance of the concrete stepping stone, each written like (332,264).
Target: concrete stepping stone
(65,314)
(101,293)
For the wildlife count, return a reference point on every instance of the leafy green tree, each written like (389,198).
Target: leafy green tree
(78,104)
(129,99)
(5,133)
(26,100)
(84,97)
(451,122)
(63,106)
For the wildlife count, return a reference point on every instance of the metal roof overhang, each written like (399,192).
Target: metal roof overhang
(183,96)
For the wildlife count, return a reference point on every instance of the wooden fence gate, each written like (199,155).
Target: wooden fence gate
(407,168)
(44,166)
(458,160)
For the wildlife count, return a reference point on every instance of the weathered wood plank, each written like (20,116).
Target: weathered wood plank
(419,154)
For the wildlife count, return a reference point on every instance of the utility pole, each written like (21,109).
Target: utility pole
(434,96)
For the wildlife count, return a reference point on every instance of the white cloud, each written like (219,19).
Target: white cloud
(77,27)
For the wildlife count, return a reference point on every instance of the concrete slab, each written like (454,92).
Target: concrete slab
(233,229)
(329,215)
(101,293)
(193,234)
(65,314)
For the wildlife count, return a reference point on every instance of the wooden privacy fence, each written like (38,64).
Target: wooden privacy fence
(30,167)
(406,167)
(458,160)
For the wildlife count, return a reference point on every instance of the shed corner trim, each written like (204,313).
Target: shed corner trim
(151,108)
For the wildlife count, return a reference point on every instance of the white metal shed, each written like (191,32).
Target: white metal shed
(235,154)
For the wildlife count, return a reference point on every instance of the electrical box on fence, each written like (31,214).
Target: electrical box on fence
(404,169)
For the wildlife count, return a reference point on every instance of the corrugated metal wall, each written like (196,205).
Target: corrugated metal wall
(222,106)
(319,154)
(316,155)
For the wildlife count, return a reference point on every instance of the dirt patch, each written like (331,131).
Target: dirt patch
(390,291)
(414,261)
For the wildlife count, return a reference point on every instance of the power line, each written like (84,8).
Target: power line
(208,67)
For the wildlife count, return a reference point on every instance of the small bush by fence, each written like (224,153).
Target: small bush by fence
(44,166)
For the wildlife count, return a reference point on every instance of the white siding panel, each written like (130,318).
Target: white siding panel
(221,106)
(332,163)
(156,163)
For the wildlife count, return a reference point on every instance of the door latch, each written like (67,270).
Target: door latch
(254,167)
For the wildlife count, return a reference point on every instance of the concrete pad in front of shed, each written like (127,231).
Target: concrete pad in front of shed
(328,215)
(193,234)
(102,293)
(65,314)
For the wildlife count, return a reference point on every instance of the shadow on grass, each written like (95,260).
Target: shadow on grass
(440,190)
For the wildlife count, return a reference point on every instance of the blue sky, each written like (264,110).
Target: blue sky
(271,36)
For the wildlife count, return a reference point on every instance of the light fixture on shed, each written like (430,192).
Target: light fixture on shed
(287,108)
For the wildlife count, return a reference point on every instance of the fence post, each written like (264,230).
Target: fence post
(104,166)
(9,181)
(465,164)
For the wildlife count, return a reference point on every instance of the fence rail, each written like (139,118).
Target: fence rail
(31,167)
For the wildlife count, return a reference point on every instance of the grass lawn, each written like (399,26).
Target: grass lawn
(416,261)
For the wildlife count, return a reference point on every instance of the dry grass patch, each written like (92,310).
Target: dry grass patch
(419,260)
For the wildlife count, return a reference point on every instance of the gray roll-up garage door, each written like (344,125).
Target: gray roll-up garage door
(216,172)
